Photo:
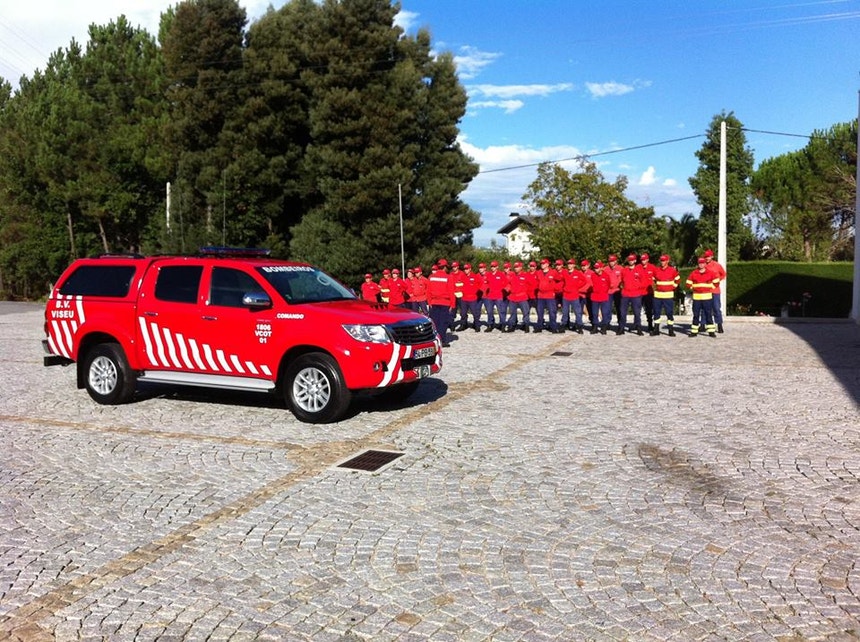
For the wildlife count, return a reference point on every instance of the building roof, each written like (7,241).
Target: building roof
(516,221)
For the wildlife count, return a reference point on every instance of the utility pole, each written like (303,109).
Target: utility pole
(855,301)
(721,224)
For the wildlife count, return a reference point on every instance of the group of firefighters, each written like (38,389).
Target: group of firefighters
(507,294)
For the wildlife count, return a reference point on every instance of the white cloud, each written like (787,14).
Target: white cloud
(649,176)
(612,88)
(513,91)
(471,61)
(406,20)
(509,106)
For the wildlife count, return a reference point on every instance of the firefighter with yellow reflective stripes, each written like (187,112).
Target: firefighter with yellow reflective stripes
(702,282)
(666,280)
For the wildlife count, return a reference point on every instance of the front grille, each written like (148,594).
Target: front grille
(412,332)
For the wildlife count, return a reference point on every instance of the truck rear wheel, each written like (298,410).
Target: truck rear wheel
(315,390)
(109,379)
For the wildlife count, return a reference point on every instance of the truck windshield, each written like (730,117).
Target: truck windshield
(304,284)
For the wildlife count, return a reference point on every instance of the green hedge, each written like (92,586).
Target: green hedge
(804,289)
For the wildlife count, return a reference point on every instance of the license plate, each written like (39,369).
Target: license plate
(422,371)
(422,353)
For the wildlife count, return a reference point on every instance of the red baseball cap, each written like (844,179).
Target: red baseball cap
(598,265)
(442,262)
(368,276)
(664,257)
(702,260)
(418,270)
(518,264)
(612,257)
(467,266)
(386,271)
(559,262)
(585,262)
(532,264)
(644,256)
(494,264)
(482,265)
(709,253)
(507,266)
(631,257)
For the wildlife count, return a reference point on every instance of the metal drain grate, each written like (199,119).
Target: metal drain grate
(561,354)
(370,460)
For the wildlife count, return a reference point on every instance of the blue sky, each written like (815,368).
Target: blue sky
(555,79)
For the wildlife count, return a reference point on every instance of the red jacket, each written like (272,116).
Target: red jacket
(717,270)
(440,291)
(418,288)
(650,268)
(472,284)
(702,283)
(666,280)
(549,284)
(601,285)
(370,291)
(634,281)
(520,287)
(496,284)
(575,284)
(614,275)
(397,288)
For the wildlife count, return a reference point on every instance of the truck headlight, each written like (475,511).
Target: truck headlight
(368,333)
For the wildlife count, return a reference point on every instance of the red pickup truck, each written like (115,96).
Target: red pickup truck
(234,320)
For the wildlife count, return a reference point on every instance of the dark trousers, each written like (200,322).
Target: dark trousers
(467,308)
(568,306)
(523,307)
(703,312)
(601,313)
(667,305)
(547,305)
(441,318)
(626,303)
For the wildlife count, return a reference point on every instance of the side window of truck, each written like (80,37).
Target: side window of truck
(99,280)
(178,283)
(229,286)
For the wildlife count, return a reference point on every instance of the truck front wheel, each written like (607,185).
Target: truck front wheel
(109,379)
(315,390)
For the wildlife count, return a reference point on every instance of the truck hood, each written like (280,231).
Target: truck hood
(355,311)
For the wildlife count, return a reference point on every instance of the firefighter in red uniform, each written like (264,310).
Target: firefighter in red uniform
(613,271)
(666,280)
(549,283)
(385,287)
(496,284)
(601,301)
(396,290)
(418,293)
(470,288)
(370,289)
(440,297)
(532,273)
(457,279)
(648,297)
(519,291)
(702,282)
(634,284)
(575,287)
(720,272)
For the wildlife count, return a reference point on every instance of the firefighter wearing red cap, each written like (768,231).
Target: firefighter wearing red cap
(575,287)
(532,274)
(519,286)
(385,287)
(370,289)
(634,283)
(702,283)
(549,283)
(666,280)
(719,271)
(613,271)
(472,284)
(457,278)
(496,284)
(397,290)
(440,298)
(418,291)
(585,266)
(601,300)
(648,297)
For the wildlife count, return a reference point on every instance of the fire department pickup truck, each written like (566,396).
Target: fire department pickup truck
(234,320)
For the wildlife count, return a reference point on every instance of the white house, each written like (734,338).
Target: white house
(518,234)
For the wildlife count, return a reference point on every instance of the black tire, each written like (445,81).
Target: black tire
(398,393)
(314,389)
(108,378)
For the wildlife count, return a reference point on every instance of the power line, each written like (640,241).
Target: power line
(581,157)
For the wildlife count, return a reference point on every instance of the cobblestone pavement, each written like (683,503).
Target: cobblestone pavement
(553,487)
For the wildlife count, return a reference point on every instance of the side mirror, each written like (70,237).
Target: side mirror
(256,300)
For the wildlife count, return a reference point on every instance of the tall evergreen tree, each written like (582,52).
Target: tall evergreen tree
(375,96)
(706,185)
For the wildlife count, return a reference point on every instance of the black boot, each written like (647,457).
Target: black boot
(593,330)
(603,330)
(671,331)
(579,329)
(489,328)
(720,328)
